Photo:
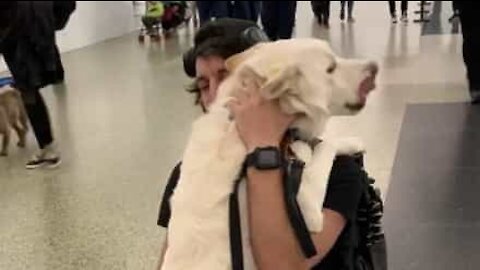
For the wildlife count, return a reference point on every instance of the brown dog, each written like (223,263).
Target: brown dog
(12,115)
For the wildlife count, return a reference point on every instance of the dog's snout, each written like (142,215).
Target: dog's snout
(372,68)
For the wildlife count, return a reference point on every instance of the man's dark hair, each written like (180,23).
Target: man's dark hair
(223,38)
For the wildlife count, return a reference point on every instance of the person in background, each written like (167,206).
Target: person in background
(455,11)
(29,49)
(321,9)
(468,12)
(153,16)
(212,9)
(393,11)
(245,10)
(278,18)
(350,10)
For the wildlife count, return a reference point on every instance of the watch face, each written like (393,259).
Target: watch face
(268,159)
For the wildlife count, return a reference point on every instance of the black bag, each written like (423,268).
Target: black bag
(370,244)
(62,11)
(371,253)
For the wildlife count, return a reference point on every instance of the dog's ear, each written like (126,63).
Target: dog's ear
(282,81)
(235,60)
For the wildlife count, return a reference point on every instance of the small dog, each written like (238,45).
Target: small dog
(308,80)
(12,115)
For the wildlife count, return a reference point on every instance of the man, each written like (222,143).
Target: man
(469,11)
(27,42)
(262,124)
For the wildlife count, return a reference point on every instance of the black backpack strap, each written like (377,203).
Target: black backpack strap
(292,180)
(236,245)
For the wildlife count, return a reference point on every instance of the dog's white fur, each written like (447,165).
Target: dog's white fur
(296,72)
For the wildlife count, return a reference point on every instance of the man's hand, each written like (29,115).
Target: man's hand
(259,122)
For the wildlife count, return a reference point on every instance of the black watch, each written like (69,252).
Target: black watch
(265,158)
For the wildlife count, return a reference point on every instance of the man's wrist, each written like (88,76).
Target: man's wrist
(252,147)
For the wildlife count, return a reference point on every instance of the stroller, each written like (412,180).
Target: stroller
(165,15)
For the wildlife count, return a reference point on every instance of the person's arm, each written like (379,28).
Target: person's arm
(163,251)
(261,123)
(272,238)
(333,225)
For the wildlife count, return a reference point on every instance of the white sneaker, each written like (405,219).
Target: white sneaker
(46,158)
(404,18)
(394,19)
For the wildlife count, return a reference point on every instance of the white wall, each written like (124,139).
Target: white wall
(95,21)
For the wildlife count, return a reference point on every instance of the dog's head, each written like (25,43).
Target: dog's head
(306,77)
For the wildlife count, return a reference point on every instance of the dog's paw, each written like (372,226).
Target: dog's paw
(21,144)
(349,146)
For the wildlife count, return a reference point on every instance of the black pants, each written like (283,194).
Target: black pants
(278,18)
(350,7)
(39,119)
(455,6)
(469,11)
(321,9)
(393,9)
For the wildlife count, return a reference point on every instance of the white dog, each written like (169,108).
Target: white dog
(308,80)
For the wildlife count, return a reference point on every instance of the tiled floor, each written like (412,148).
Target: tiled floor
(122,119)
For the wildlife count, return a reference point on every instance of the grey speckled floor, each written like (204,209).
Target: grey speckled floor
(122,119)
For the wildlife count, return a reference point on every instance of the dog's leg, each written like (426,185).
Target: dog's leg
(314,185)
(21,132)
(17,123)
(5,130)
(5,141)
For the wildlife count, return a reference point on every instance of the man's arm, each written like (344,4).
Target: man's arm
(162,253)
(333,225)
(273,241)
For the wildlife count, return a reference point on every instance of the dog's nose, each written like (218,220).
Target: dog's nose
(372,67)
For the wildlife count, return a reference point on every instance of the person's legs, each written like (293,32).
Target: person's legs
(269,18)
(404,7)
(342,10)
(455,10)
(255,7)
(39,119)
(38,114)
(350,9)
(392,8)
(326,13)
(471,54)
(286,18)
(212,9)
(317,8)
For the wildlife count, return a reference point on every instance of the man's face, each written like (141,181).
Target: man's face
(211,71)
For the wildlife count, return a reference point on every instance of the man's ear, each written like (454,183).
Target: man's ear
(235,60)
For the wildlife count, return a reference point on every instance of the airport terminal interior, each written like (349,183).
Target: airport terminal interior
(122,118)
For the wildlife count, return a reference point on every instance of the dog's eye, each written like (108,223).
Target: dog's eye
(331,68)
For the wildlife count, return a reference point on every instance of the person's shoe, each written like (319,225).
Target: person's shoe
(342,15)
(404,18)
(394,19)
(475,97)
(351,19)
(46,158)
